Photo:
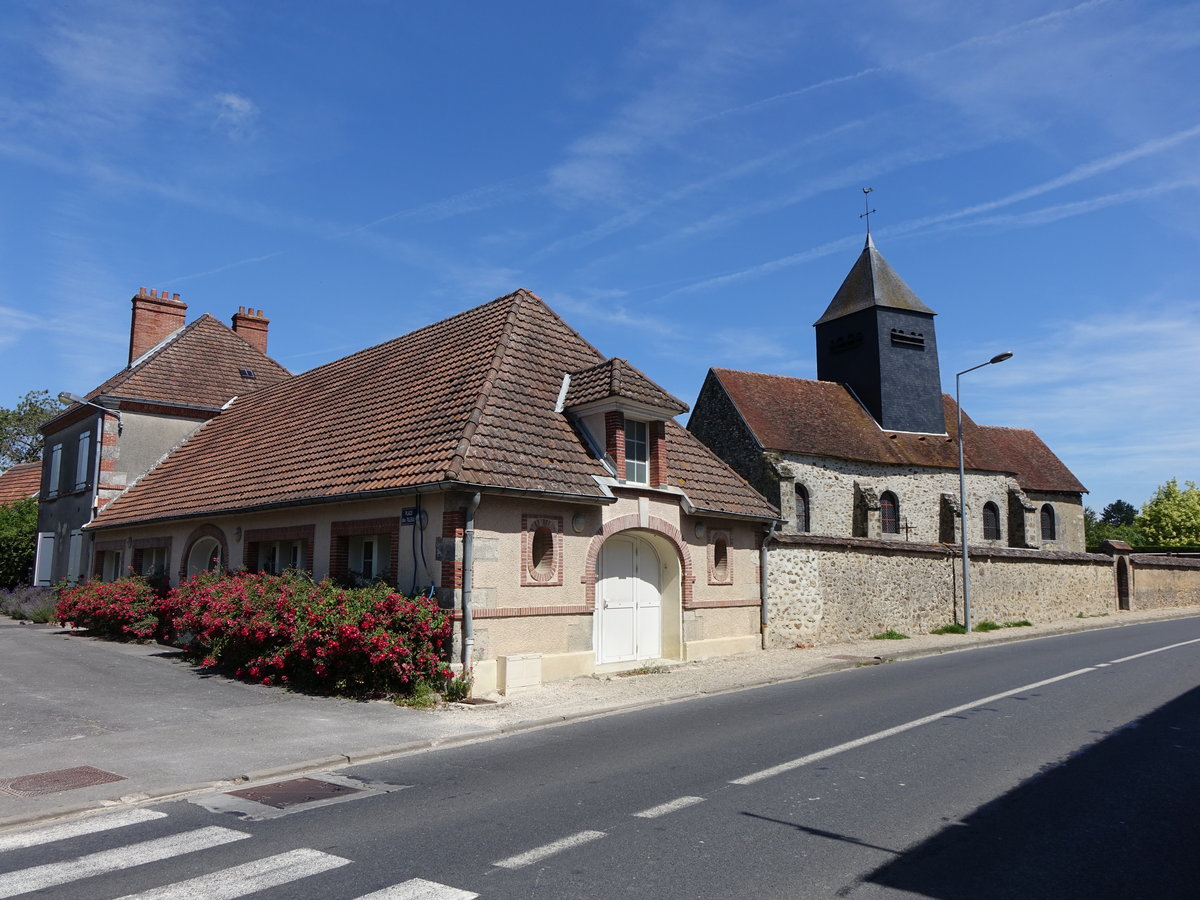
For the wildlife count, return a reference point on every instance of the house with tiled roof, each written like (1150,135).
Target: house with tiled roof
(863,464)
(21,482)
(541,489)
(178,376)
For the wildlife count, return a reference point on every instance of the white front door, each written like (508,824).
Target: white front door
(628,601)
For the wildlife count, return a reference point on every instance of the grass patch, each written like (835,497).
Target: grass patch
(1092,616)
(643,670)
(422,697)
(1020,623)
(987,625)
(952,628)
(890,635)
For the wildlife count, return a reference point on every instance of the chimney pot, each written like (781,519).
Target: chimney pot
(156,316)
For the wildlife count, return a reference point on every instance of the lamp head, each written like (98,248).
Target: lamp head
(1000,357)
(68,397)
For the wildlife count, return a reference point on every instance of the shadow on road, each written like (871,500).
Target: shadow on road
(1118,819)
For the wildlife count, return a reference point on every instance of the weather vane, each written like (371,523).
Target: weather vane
(867,215)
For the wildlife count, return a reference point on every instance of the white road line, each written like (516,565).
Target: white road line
(419,889)
(47,834)
(669,807)
(238,881)
(899,729)
(52,874)
(1151,652)
(537,854)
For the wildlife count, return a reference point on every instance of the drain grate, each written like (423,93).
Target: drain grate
(283,794)
(41,783)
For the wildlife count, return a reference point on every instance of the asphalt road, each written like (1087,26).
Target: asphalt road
(1064,767)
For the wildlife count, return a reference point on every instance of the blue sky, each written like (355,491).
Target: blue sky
(681,182)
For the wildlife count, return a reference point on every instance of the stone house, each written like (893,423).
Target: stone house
(540,489)
(178,377)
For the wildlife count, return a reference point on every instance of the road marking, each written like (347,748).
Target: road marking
(664,808)
(1159,650)
(238,881)
(537,854)
(47,834)
(899,729)
(419,889)
(52,874)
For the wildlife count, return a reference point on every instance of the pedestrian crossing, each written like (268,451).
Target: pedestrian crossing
(242,880)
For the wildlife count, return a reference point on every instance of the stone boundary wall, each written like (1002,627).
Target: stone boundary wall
(826,589)
(1160,582)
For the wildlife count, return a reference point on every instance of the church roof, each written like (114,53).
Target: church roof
(617,378)
(201,365)
(823,418)
(872,282)
(469,400)
(21,482)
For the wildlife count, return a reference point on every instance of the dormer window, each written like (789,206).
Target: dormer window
(637,452)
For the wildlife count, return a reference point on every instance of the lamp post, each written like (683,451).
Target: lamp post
(962,487)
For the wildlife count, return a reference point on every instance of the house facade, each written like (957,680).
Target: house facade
(496,458)
(178,376)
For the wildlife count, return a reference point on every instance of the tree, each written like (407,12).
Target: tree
(18,541)
(1097,529)
(19,438)
(1171,518)
(1119,513)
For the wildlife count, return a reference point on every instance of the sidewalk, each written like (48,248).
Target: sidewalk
(131,723)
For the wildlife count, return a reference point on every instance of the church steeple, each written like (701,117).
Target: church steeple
(877,337)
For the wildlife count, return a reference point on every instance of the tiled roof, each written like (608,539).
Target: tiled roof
(199,366)
(21,482)
(617,378)
(872,282)
(470,399)
(822,418)
(708,482)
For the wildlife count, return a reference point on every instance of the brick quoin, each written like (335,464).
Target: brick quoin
(454,524)
(339,541)
(614,439)
(658,453)
(626,523)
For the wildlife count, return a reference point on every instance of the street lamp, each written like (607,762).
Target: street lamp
(68,397)
(962,487)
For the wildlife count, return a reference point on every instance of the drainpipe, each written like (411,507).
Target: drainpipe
(764,609)
(468,561)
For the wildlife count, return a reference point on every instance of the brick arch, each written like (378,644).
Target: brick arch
(663,529)
(204,531)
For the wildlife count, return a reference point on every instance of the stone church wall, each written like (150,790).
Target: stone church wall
(824,590)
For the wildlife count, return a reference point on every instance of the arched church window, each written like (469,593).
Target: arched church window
(991,522)
(1049,532)
(889,508)
(803,519)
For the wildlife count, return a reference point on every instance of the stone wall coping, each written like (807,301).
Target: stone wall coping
(1165,561)
(924,549)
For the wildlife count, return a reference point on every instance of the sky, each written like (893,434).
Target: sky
(682,182)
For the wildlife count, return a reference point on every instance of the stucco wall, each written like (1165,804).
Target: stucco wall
(827,590)
(1161,582)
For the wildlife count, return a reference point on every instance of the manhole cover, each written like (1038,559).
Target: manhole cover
(40,783)
(283,794)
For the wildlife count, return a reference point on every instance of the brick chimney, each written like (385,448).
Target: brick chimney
(156,316)
(252,325)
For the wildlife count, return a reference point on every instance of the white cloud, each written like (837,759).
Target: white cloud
(235,115)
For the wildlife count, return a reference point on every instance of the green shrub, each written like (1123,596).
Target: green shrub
(33,604)
(987,625)
(1020,623)
(890,635)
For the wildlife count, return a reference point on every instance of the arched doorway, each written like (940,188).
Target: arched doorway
(205,556)
(1122,583)
(629,615)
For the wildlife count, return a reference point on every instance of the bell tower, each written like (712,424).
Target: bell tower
(877,337)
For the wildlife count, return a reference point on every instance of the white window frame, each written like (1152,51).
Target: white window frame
(637,451)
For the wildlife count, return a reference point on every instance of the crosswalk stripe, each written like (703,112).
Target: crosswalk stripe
(419,889)
(36,878)
(238,881)
(46,834)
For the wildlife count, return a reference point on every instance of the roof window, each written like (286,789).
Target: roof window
(247,373)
